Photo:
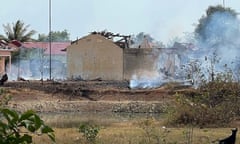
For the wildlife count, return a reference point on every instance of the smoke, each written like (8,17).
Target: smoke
(33,64)
(216,51)
(221,34)
(221,43)
(148,79)
(165,70)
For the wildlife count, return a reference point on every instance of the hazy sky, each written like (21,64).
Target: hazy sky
(163,19)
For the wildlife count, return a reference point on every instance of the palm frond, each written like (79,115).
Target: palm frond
(18,31)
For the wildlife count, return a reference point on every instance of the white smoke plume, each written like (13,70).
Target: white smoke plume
(217,53)
(221,45)
(148,79)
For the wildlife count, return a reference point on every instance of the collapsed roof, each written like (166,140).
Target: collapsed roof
(120,40)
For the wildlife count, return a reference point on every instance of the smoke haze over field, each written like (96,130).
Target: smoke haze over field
(217,52)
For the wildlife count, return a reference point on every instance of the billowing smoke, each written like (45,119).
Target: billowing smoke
(216,50)
(220,43)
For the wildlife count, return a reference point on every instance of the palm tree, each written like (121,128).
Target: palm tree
(17,31)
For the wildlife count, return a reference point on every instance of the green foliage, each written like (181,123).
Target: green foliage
(57,36)
(17,128)
(212,104)
(17,31)
(215,99)
(89,131)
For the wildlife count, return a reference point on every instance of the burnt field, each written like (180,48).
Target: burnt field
(88,96)
(93,90)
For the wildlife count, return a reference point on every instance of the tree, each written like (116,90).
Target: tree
(57,36)
(139,38)
(17,31)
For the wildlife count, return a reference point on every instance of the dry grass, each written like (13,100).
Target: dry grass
(130,132)
(118,131)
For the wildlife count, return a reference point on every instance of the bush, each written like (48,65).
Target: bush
(90,131)
(153,133)
(215,103)
(4,97)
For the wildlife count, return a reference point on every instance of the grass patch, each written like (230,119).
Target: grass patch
(136,131)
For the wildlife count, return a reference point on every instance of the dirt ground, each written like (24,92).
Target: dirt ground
(86,96)
(84,90)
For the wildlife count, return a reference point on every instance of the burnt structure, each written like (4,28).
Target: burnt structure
(100,55)
(123,40)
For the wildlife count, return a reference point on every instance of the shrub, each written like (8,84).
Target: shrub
(90,131)
(4,97)
(214,103)
(153,133)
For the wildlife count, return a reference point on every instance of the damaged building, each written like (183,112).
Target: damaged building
(107,56)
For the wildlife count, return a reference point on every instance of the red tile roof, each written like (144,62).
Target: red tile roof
(9,46)
(56,47)
(16,43)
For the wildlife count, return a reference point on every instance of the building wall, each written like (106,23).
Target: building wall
(144,61)
(2,65)
(138,60)
(94,57)
(3,55)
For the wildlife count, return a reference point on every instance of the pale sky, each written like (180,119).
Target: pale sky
(163,19)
